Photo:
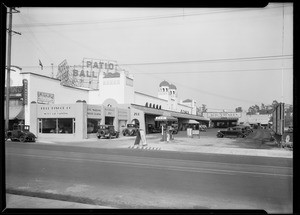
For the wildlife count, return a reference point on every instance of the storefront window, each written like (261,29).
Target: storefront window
(48,125)
(65,126)
(92,125)
(57,126)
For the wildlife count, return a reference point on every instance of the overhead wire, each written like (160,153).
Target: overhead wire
(35,42)
(256,58)
(143,18)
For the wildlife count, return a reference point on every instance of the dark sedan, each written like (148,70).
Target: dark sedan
(236,131)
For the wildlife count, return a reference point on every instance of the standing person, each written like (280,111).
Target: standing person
(138,137)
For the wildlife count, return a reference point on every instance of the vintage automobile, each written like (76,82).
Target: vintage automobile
(247,128)
(20,133)
(130,130)
(236,131)
(107,131)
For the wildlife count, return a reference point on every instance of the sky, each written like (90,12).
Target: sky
(221,57)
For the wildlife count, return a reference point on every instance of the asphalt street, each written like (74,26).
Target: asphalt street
(125,178)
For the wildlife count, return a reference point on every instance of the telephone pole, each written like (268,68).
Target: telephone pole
(10,31)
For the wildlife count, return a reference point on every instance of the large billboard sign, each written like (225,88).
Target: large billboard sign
(278,119)
(87,74)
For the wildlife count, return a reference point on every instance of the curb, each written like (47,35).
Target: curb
(54,196)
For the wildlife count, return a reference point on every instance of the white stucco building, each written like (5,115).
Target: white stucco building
(46,103)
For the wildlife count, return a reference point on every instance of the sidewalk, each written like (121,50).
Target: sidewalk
(18,201)
(184,144)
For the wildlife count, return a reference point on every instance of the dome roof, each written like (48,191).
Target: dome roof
(164,84)
(172,86)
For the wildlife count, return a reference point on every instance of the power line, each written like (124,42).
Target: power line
(274,57)
(211,71)
(137,18)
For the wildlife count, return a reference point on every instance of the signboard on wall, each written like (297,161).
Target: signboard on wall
(56,111)
(94,112)
(224,115)
(16,92)
(109,111)
(45,98)
(25,91)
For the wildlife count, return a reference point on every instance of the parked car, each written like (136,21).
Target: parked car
(107,131)
(236,131)
(130,130)
(247,128)
(20,133)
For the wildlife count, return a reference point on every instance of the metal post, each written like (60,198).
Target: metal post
(8,68)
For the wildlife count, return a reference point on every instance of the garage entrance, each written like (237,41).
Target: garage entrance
(109,120)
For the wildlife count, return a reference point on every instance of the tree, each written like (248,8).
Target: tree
(239,109)
(254,109)
(274,104)
(204,109)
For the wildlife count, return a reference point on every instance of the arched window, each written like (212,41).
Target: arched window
(159,106)
(146,104)
(150,105)
(156,106)
(153,105)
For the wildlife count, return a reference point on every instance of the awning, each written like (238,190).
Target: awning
(165,118)
(224,119)
(191,121)
(16,112)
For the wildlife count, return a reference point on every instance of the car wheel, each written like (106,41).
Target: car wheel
(22,138)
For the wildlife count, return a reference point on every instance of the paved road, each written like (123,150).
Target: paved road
(127,178)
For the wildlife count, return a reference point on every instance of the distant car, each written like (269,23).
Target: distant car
(236,131)
(130,130)
(20,133)
(247,128)
(107,131)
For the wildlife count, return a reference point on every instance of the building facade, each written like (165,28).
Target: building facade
(53,108)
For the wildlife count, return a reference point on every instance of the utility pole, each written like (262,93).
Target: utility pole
(10,31)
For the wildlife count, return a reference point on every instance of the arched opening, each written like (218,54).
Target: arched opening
(135,122)
(146,104)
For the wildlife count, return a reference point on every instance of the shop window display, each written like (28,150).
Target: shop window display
(56,126)
(92,125)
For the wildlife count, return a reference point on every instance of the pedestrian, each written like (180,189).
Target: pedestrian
(138,137)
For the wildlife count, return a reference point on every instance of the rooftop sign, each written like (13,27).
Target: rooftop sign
(87,74)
